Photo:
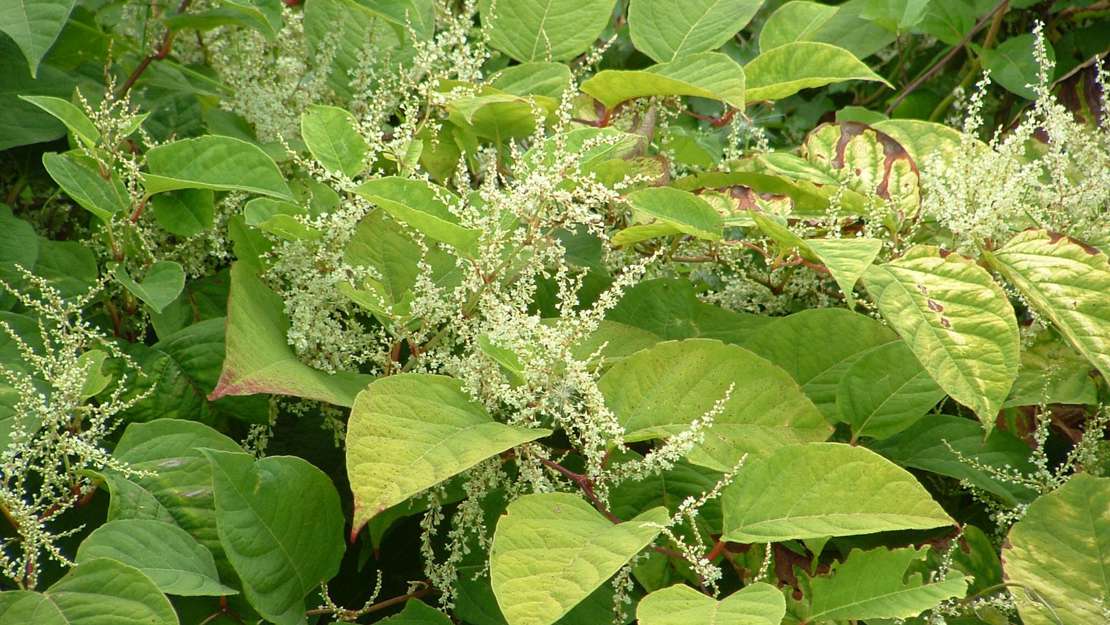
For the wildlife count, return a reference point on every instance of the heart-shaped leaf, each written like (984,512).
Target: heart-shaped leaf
(161,285)
(411,431)
(280,551)
(660,391)
(756,604)
(550,551)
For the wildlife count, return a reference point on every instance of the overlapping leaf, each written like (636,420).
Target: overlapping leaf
(550,551)
(410,432)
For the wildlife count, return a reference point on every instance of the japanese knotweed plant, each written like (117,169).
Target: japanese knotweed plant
(525,312)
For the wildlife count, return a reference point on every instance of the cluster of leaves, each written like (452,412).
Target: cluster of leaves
(524,312)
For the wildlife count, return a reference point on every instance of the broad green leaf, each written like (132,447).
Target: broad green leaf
(34,25)
(23,123)
(380,242)
(411,431)
(417,612)
(957,321)
(1013,65)
(797,20)
(95,592)
(185,213)
(668,488)
(549,80)
(74,118)
(1059,555)
(96,380)
(332,136)
(423,206)
(213,162)
(497,116)
(545,30)
(848,29)
(417,15)
(791,67)
(178,488)
(709,75)
(281,525)
(1052,373)
(660,391)
(756,604)
(1066,281)
(164,552)
(550,551)
(846,260)
(613,342)
(260,360)
(843,336)
(874,585)
(895,15)
(954,446)
(261,15)
(885,391)
(161,284)
(79,178)
(950,20)
(346,31)
(670,309)
(824,489)
(681,211)
(666,30)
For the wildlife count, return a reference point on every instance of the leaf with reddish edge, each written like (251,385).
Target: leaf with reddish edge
(260,360)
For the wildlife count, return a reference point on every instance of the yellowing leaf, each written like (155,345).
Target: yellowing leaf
(1067,282)
(957,321)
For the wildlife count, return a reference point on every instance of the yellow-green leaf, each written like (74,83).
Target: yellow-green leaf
(824,489)
(550,551)
(957,321)
(1066,281)
(411,431)
(787,69)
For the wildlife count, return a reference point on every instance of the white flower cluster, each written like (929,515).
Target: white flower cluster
(56,433)
(1049,171)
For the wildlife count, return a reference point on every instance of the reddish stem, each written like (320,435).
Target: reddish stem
(584,483)
(162,52)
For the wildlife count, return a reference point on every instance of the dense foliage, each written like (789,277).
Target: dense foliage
(524,312)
